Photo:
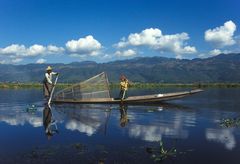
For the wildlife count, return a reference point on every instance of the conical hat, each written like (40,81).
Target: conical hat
(49,68)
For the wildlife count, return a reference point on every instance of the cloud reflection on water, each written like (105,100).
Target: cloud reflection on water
(174,127)
(17,115)
(81,127)
(169,123)
(86,120)
(224,136)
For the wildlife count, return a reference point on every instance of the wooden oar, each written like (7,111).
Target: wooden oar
(50,99)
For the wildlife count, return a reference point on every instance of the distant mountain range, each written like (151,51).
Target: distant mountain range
(221,68)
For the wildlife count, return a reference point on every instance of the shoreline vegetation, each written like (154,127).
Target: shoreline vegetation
(133,85)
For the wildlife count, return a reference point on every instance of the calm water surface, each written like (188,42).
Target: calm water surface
(120,134)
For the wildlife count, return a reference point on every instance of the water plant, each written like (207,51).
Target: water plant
(159,154)
(230,122)
(31,109)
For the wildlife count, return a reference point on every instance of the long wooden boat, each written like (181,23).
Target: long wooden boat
(155,98)
(96,91)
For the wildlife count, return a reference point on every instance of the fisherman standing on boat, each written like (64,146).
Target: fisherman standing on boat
(123,87)
(47,82)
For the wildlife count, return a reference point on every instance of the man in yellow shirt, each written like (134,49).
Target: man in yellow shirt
(123,87)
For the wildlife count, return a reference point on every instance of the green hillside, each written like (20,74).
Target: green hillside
(222,68)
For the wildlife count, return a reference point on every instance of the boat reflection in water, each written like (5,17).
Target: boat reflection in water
(148,125)
(49,124)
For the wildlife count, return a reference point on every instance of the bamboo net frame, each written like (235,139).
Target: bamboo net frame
(95,87)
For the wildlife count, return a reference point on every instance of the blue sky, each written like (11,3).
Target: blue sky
(58,31)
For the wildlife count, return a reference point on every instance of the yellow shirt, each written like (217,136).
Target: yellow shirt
(124,85)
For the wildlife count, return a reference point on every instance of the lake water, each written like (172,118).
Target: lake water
(190,130)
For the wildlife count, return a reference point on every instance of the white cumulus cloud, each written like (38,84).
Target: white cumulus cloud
(41,61)
(14,49)
(51,49)
(126,53)
(15,53)
(84,46)
(215,52)
(17,60)
(34,50)
(223,35)
(154,39)
(146,37)
(202,55)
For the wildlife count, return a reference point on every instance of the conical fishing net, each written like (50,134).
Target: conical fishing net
(95,87)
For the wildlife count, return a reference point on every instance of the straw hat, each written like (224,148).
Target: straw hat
(49,68)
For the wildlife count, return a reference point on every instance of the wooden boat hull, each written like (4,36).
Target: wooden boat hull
(156,98)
